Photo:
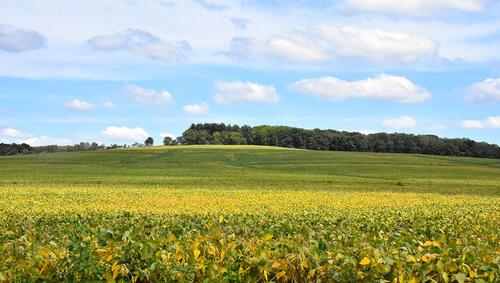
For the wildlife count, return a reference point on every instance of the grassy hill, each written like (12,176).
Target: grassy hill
(248,213)
(253,167)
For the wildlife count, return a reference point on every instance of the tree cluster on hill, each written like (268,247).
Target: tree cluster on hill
(13,149)
(219,133)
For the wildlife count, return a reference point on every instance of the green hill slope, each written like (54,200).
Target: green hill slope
(253,167)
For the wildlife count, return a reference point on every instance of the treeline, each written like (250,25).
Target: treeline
(214,133)
(83,146)
(14,149)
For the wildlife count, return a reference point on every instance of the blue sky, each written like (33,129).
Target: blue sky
(118,71)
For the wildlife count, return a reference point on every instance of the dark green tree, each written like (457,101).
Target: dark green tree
(168,141)
(149,141)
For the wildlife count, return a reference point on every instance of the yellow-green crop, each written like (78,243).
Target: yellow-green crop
(248,214)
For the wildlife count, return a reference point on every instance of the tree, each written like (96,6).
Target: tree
(94,146)
(167,141)
(212,133)
(149,141)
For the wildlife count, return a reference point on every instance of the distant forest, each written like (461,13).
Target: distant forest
(336,140)
(14,149)
(283,136)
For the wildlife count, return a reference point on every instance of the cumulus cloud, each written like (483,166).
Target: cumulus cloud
(487,90)
(382,87)
(490,122)
(79,105)
(237,91)
(125,133)
(329,41)
(415,7)
(141,43)
(401,122)
(201,108)
(292,47)
(14,39)
(108,105)
(43,140)
(12,133)
(149,96)
(377,44)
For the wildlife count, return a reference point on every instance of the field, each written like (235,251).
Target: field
(247,213)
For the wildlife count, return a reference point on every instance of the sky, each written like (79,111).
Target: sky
(119,71)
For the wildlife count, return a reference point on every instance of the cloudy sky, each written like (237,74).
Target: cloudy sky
(117,71)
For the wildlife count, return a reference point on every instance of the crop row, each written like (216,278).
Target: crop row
(441,243)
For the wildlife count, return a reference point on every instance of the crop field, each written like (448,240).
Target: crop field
(248,213)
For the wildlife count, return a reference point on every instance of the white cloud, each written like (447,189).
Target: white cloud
(493,122)
(291,47)
(141,43)
(331,41)
(240,23)
(377,44)
(367,132)
(490,122)
(162,135)
(79,105)
(415,7)
(401,122)
(237,91)
(43,140)
(296,48)
(201,108)
(14,39)
(149,96)
(487,90)
(12,133)
(205,4)
(108,105)
(382,87)
(472,124)
(125,133)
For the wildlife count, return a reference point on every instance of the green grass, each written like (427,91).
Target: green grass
(248,213)
(254,167)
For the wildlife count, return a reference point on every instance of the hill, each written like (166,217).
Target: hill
(247,213)
(253,167)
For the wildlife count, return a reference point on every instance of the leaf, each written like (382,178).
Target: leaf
(365,261)
(265,273)
(280,274)
(460,277)
(170,238)
(221,218)
(196,252)
(276,264)
(428,257)
(267,237)
(311,273)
